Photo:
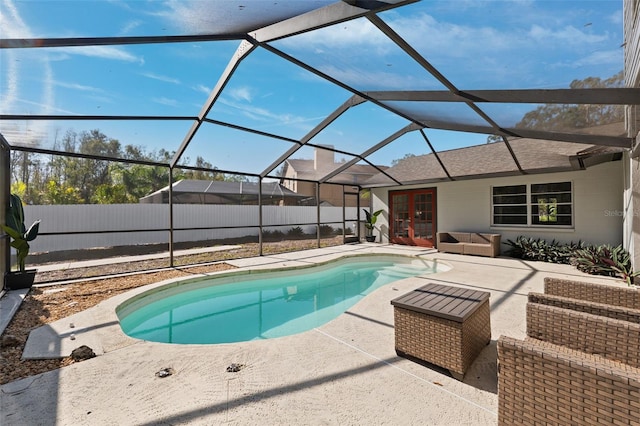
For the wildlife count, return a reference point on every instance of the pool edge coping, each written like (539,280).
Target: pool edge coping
(98,327)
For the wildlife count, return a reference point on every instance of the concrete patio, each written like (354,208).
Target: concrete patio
(345,372)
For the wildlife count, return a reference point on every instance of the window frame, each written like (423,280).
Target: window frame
(530,204)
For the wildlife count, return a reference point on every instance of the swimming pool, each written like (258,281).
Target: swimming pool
(262,305)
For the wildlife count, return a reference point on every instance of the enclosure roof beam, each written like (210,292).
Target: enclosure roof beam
(583,138)
(22,43)
(435,154)
(241,53)
(332,14)
(599,96)
(351,102)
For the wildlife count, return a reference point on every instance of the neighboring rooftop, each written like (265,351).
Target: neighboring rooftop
(188,191)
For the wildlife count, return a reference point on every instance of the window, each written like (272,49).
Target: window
(542,204)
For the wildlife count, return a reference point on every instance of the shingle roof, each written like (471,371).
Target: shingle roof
(305,170)
(228,188)
(494,159)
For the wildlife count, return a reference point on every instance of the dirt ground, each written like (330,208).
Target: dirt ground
(50,303)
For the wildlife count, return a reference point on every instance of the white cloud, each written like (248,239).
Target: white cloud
(130,26)
(104,52)
(616,17)
(264,115)
(601,57)
(76,86)
(220,17)
(11,22)
(165,101)
(12,27)
(202,88)
(373,80)
(159,77)
(359,34)
(566,35)
(243,93)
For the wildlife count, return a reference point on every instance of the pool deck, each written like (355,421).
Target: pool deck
(345,372)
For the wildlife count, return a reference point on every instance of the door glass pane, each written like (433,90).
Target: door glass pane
(400,215)
(423,216)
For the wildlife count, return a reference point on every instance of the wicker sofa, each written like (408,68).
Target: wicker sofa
(580,363)
(473,243)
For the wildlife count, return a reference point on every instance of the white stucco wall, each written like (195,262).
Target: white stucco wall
(466,205)
(632,206)
(631,15)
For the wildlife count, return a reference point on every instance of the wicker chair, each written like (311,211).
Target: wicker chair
(610,311)
(580,363)
(610,338)
(598,293)
(543,383)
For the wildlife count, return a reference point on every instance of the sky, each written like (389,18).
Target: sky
(475,44)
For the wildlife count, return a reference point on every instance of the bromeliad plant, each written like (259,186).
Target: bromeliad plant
(592,259)
(528,248)
(15,228)
(606,260)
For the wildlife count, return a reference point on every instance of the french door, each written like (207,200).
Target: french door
(413,217)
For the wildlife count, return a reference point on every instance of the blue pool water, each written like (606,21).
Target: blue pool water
(272,305)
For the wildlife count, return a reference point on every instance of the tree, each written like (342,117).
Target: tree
(398,160)
(60,193)
(201,174)
(569,117)
(72,179)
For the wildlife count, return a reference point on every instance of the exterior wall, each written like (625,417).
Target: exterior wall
(466,205)
(633,214)
(632,79)
(632,38)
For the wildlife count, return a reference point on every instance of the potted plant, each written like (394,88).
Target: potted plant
(369,224)
(20,237)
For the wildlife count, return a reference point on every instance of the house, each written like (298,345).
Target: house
(190,191)
(299,176)
(562,191)
(538,188)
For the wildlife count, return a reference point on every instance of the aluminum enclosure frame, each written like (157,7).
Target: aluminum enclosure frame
(340,11)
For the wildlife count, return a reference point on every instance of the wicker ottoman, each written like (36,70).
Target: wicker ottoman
(443,325)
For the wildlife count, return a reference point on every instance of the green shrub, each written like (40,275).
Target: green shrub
(326,230)
(296,232)
(592,259)
(274,235)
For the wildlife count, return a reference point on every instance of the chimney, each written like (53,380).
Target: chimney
(323,158)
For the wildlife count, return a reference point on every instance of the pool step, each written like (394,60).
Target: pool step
(403,270)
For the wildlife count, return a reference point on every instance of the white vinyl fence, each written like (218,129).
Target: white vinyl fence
(91,226)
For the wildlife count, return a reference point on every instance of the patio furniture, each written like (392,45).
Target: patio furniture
(611,311)
(472,243)
(442,325)
(543,383)
(599,293)
(592,334)
(580,363)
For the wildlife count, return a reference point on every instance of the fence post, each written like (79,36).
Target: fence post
(318,213)
(170,216)
(260,216)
